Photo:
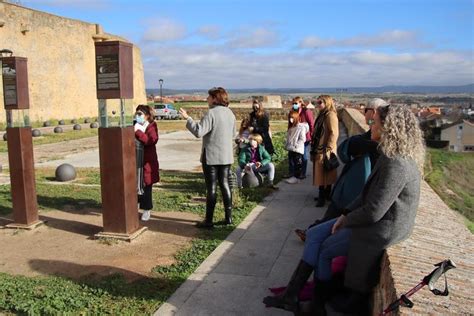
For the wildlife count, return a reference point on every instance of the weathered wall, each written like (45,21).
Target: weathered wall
(439,234)
(61,62)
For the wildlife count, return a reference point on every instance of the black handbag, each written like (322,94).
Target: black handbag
(330,163)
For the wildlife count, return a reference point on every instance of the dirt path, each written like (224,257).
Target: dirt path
(63,246)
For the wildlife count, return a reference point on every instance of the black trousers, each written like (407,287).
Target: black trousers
(146,200)
(295,161)
(213,175)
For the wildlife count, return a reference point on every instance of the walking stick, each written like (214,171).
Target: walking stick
(429,280)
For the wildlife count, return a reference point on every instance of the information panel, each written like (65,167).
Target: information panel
(9,83)
(108,77)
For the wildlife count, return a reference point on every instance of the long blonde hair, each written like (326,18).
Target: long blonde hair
(328,101)
(401,135)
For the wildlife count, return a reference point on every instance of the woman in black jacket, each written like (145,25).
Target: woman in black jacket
(260,124)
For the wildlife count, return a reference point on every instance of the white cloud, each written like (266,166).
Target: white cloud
(393,38)
(206,66)
(162,30)
(254,38)
(209,31)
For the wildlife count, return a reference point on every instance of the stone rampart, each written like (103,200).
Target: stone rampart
(61,62)
(439,234)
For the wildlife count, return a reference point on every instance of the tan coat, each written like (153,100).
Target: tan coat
(329,140)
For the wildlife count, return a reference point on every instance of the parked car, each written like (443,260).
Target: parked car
(165,112)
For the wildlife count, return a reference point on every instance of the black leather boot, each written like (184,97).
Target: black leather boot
(321,197)
(207,223)
(288,300)
(228,217)
(352,302)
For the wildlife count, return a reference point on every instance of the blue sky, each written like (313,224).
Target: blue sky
(289,44)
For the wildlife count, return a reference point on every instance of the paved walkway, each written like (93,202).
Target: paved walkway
(260,253)
(176,151)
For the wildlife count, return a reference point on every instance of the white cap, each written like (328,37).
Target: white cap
(375,103)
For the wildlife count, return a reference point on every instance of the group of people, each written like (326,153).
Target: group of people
(372,203)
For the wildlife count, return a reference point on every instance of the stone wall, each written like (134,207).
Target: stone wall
(439,234)
(275,114)
(61,62)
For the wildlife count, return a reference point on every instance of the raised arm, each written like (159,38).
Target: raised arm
(202,128)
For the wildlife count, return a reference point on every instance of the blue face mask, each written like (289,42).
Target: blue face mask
(140,119)
(296,106)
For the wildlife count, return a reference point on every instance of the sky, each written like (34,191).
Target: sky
(197,44)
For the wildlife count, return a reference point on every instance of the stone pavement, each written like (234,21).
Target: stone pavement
(261,252)
(176,151)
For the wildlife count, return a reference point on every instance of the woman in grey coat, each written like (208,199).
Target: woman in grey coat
(217,128)
(384,214)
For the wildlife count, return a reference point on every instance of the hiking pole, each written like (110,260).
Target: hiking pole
(429,280)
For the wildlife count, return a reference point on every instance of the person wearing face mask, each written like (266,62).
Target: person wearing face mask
(260,124)
(255,158)
(146,131)
(218,130)
(295,144)
(359,153)
(323,143)
(305,116)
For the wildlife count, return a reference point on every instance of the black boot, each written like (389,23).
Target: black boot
(288,300)
(207,223)
(328,192)
(323,291)
(228,217)
(321,197)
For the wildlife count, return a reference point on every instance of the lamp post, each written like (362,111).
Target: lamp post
(161,90)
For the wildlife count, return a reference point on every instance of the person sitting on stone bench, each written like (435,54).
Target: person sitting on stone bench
(255,158)
(382,215)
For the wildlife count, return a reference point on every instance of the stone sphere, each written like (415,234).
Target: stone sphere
(249,180)
(94,125)
(77,127)
(65,172)
(87,120)
(46,123)
(5,137)
(74,121)
(36,133)
(61,122)
(58,130)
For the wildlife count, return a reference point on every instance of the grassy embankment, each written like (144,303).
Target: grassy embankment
(112,295)
(451,176)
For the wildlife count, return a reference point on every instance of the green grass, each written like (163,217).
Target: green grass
(112,294)
(450,175)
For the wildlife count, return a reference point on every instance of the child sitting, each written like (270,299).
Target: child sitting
(295,139)
(244,132)
(254,158)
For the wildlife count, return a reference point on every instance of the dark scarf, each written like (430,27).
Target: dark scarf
(318,131)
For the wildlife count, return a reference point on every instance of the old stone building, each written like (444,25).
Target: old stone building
(61,62)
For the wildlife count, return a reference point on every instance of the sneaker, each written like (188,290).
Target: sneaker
(292,180)
(146,215)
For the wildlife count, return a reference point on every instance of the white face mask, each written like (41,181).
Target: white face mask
(253,143)
(291,120)
(256,106)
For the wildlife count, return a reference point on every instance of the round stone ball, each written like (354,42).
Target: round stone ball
(65,172)
(46,123)
(5,137)
(77,127)
(94,125)
(74,121)
(61,122)
(58,130)
(87,120)
(36,133)
(249,180)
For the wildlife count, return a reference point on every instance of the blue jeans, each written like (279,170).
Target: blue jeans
(307,147)
(321,247)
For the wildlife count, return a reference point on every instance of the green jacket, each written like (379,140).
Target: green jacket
(245,156)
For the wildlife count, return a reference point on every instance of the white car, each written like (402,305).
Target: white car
(165,112)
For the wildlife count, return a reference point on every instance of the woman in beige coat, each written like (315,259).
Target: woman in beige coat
(324,142)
